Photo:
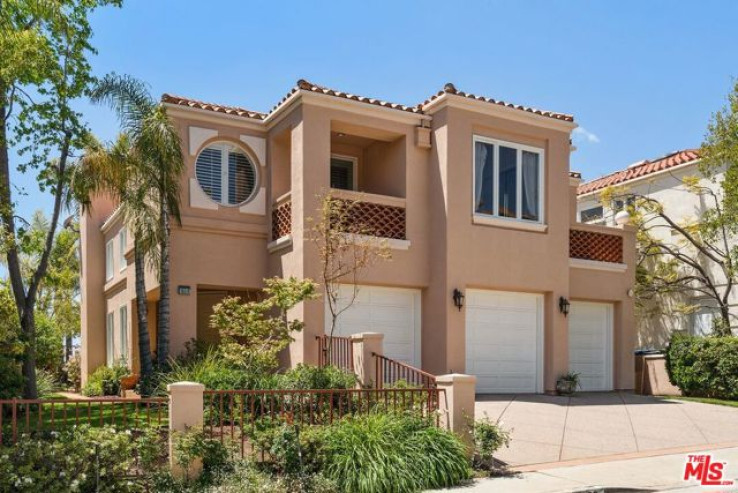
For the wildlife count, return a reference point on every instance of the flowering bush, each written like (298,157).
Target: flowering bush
(81,459)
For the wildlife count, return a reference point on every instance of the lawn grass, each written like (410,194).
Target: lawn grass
(704,400)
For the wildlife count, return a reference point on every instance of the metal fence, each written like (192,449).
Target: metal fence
(39,416)
(336,351)
(391,372)
(238,415)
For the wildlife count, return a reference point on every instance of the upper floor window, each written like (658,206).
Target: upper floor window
(593,215)
(343,172)
(226,174)
(122,240)
(508,180)
(109,260)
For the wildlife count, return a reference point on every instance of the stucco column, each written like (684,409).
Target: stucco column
(365,345)
(460,393)
(185,412)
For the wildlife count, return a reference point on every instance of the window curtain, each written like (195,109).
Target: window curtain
(483,178)
(530,186)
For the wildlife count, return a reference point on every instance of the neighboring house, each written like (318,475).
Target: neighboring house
(660,179)
(472,194)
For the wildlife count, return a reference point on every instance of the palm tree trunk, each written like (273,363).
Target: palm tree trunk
(144,342)
(162,340)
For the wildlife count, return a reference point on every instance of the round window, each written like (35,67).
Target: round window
(226,174)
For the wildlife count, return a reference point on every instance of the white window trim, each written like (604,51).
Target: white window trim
(110,338)
(123,331)
(109,260)
(493,219)
(355,163)
(224,147)
(122,241)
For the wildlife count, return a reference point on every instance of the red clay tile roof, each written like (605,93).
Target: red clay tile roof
(451,89)
(309,86)
(229,110)
(304,85)
(640,170)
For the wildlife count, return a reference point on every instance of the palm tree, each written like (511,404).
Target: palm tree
(120,172)
(157,142)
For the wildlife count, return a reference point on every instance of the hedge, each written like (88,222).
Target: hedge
(704,366)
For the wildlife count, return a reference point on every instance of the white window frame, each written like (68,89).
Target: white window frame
(519,148)
(224,147)
(110,338)
(123,331)
(109,260)
(354,163)
(122,240)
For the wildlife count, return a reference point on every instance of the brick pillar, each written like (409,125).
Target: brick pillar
(364,345)
(460,397)
(185,412)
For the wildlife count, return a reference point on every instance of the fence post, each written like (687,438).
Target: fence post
(185,412)
(364,344)
(460,397)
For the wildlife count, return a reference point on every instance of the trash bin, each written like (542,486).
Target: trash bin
(640,356)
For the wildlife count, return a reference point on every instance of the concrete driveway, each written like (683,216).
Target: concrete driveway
(553,429)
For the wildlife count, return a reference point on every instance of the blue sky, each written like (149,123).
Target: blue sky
(642,78)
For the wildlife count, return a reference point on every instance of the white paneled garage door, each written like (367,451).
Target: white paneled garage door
(590,344)
(394,312)
(504,341)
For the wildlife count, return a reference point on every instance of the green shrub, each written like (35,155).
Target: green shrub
(69,461)
(105,380)
(391,452)
(246,478)
(211,370)
(704,366)
(488,438)
(11,379)
(46,384)
(304,377)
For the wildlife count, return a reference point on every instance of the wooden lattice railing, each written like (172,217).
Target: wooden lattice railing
(390,371)
(592,245)
(383,221)
(341,353)
(282,217)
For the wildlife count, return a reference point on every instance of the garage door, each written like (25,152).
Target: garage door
(504,341)
(393,312)
(590,344)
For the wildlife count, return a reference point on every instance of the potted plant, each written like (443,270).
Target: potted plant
(568,383)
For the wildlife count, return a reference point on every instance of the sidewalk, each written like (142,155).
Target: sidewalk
(661,473)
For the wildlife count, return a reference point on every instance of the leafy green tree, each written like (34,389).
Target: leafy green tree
(157,144)
(253,333)
(44,67)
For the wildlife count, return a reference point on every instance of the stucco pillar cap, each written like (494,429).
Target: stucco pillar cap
(185,387)
(456,378)
(367,335)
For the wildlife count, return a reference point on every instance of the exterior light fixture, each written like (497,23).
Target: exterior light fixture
(183,290)
(458,299)
(564,305)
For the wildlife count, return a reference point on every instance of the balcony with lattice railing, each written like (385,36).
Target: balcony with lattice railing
(382,216)
(282,217)
(595,246)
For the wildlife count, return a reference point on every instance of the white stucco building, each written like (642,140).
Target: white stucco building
(660,179)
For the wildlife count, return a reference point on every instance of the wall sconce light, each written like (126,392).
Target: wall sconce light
(183,290)
(564,305)
(458,299)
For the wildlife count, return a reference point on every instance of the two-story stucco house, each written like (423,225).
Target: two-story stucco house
(473,194)
(661,179)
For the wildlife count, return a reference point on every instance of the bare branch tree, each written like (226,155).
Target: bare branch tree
(347,247)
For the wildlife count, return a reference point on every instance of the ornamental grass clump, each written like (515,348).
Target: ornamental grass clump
(391,452)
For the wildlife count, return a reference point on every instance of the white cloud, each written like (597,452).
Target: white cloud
(581,134)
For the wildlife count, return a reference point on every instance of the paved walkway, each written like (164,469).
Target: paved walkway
(661,473)
(553,429)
